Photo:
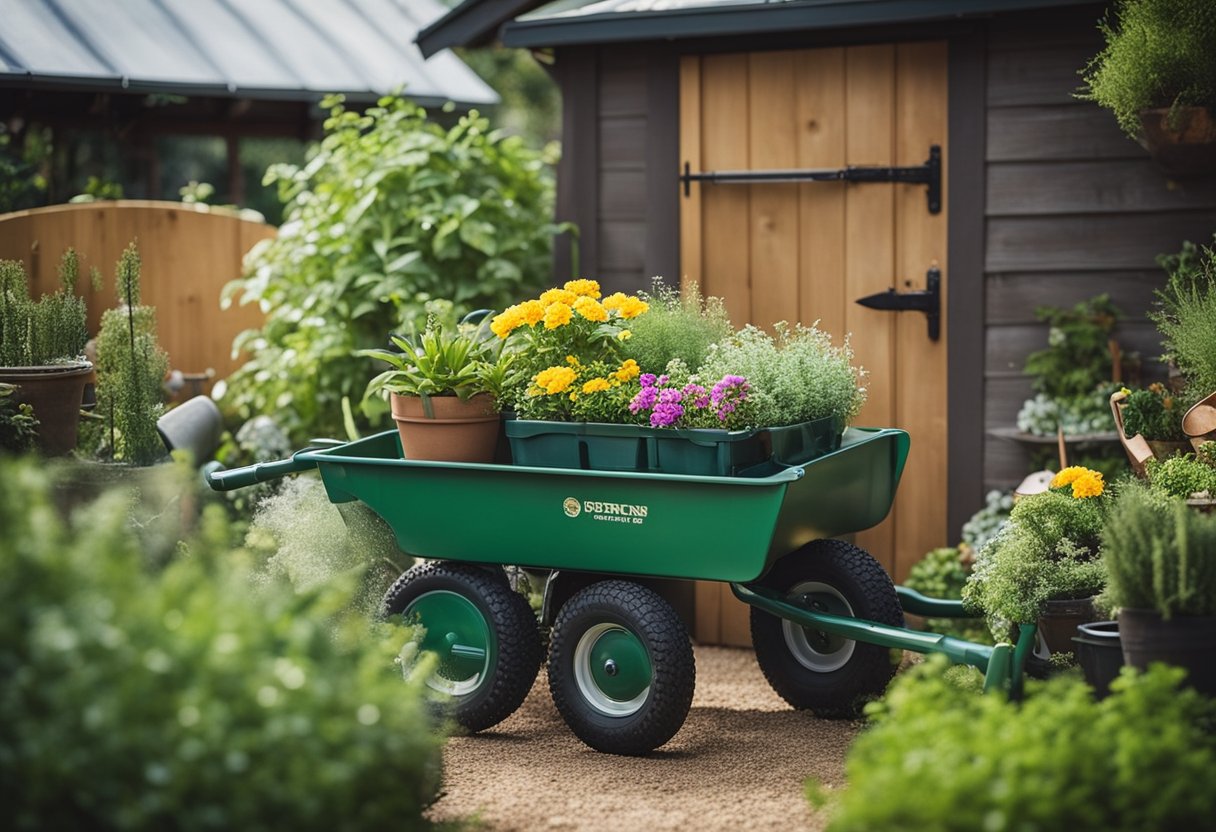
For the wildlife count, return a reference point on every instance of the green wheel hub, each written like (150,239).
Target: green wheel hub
(459,634)
(612,669)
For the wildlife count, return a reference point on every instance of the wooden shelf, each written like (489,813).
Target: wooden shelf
(1022,438)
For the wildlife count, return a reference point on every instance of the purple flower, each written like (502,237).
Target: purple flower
(647,379)
(645,398)
(727,394)
(666,414)
(662,380)
(697,395)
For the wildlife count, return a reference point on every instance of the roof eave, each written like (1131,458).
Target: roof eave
(472,23)
(615,27)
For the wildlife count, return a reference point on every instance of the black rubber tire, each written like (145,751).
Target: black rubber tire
(673,671)
(512,625)
(838,693)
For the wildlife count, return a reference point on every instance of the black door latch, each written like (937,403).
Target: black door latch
(928,300)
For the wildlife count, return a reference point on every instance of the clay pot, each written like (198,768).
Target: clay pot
(55,392)
(450,430)
(1182,146)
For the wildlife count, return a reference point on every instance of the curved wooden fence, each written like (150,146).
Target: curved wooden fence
(188,254)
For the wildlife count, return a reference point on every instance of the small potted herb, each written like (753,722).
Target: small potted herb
(443,386)
(42,348)
(1153,414)
(1161,560)
(1157,74)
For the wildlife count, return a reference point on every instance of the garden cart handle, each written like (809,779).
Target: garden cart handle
(221,480)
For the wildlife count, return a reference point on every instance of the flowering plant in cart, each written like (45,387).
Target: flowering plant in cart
(667,401)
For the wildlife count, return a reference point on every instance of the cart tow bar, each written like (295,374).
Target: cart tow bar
(1001,665)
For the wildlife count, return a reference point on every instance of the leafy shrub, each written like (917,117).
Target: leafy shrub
(676,327)
(193,698)
(942,573)
(1077,358)
(390,211)
(1159,54)
(1160,555)
(1154,413)
(50,330)
(131,368)
(795,377)
(18,425)
(1047,551)
(1181,476)
(942,758)
(1186,319)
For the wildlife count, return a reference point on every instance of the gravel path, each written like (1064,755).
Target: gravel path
(739,762)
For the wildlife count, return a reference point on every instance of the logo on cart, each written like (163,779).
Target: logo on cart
(608,512)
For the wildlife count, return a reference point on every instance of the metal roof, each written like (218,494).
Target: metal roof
(567,22)
(471,23)
(268,49)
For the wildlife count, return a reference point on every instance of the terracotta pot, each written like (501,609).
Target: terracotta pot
(1185,641)
(453,430)
(1182,146)
(1164,449)
(55,393)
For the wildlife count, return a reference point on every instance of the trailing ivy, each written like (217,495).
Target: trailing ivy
(390,212)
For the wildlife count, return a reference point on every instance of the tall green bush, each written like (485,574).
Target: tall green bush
(46,331)
(131,368)
(943,758)
(200,696)
(390,211)
(1186,316)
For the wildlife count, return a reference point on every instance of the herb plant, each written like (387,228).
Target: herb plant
(1181,476)
(48,331)
(1155,413)
(942,757)
(391,211)
(1186,319)
(1160,555)
(18,425)
(796,376)
(131,367)
(436,362)
(678,326)
(202,695)
(1158,54)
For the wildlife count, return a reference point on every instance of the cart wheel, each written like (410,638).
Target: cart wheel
(827,674)
(485,634)
(621,668)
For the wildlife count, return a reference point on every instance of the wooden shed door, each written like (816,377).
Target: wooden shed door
(808,251)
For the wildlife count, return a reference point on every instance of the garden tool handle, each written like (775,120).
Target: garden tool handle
(221,480)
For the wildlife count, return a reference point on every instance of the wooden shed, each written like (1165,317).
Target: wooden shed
(1039,199)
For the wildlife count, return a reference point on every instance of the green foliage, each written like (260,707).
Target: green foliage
(47,331)
(982,525)
(130,369)
(435,362)
(1048,551)
(1158,54)
(1160,555)
(942,573)
(390,211)
(197,697)
(943,758)
(99,188)
(1077,359)
(1154,413)
(1187,317)
(531,101)
(18,425)
(676,327)
(22,177)
(796,376)
(1181,476)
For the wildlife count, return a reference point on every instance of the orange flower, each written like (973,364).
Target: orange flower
(557,314)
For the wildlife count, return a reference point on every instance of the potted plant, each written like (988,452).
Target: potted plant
(1149,422)
(41,350)
(443,387)
(1161,561)
(1157,74)
(1044,565)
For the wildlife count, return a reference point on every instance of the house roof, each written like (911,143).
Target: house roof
(268,49)
(532,23)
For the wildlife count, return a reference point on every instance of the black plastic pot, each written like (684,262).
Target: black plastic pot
(1100,654)
(1059,621)
(1186,641)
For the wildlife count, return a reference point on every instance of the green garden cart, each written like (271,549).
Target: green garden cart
(824,615)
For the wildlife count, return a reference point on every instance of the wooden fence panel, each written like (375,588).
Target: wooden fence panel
(188,254)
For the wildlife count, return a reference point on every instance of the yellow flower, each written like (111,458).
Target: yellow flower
(624,335)
(1088,484)
(1067,476)
(583,288)
(573,396)
(595,385)
(590,309)
(629,369)
(627,306)
(532,312)
(553,296)
(557,314)
(506,321)
(555,379)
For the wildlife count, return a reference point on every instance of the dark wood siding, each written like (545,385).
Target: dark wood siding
(1073,208)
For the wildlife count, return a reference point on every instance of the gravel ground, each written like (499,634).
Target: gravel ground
(739,762)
